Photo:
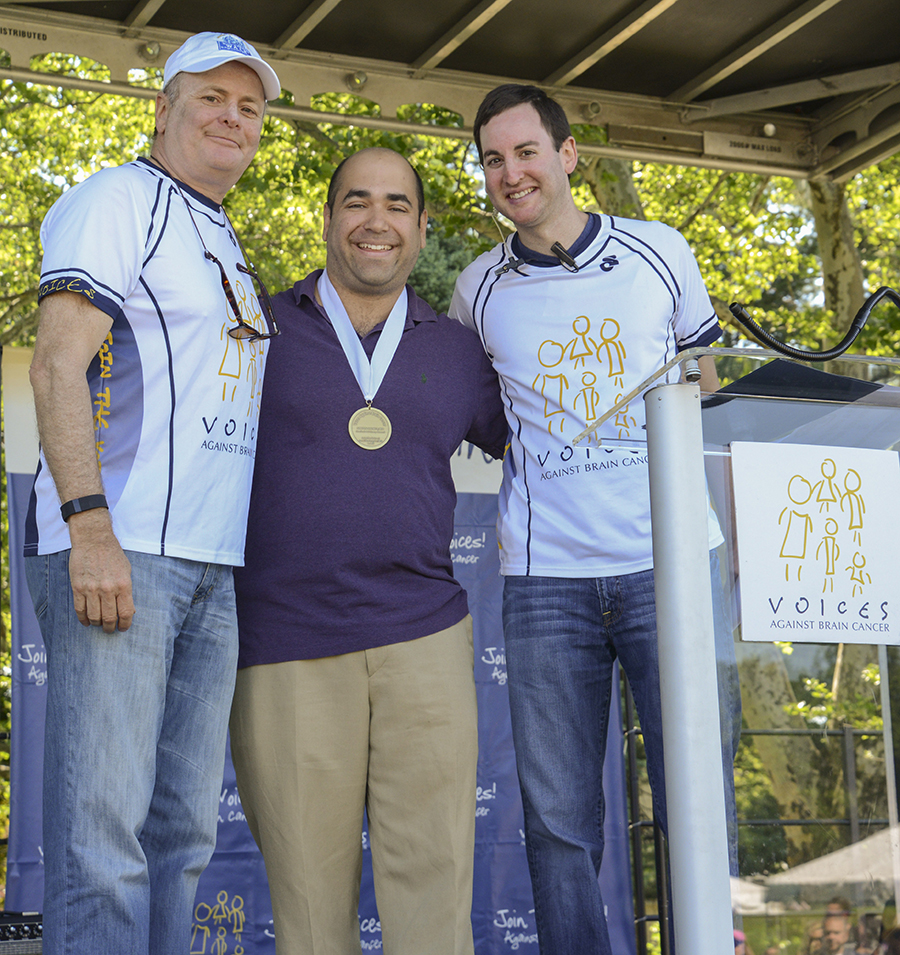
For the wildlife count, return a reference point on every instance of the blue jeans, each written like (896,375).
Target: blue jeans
(134,754)
(562,637)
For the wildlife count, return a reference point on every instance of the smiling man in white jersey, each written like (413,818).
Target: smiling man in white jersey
(147,373)
(574,310)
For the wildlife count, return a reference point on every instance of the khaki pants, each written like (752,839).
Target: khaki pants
(392,730)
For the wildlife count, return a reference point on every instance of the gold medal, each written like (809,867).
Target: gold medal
(370,428)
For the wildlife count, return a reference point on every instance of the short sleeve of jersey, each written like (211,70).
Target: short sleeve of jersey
(696,322)
(96,237)
(471,283)
(461,303)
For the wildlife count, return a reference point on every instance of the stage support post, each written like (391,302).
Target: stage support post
(698,844)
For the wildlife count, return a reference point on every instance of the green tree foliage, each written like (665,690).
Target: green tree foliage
(753,235)
(874,200)
(49,140)
(761,849)
(852,700)
(442,259)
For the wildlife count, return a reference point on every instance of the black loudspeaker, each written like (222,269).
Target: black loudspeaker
(20,933)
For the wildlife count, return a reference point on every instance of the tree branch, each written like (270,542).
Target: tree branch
(25,324)
(706,203)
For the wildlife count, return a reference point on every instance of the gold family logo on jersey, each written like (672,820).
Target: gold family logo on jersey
(573,375)
(241,359)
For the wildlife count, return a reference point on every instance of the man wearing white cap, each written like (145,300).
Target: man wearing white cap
(147,372)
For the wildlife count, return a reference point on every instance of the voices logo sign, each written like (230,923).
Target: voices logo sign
(816,538)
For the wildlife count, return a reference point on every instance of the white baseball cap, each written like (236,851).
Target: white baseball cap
(206,51)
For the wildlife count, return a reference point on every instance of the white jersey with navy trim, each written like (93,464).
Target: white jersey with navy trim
(567,345)
(175,399)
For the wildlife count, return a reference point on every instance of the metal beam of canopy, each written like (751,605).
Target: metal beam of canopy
(809,89)
(755,47)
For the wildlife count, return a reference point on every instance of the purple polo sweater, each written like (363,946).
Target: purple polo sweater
(349,549)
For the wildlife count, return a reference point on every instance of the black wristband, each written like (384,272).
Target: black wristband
(80,504)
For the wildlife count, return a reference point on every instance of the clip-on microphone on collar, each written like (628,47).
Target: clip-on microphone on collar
(567,261)
(511,265)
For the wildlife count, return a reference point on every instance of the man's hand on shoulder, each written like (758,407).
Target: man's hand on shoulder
(100,573)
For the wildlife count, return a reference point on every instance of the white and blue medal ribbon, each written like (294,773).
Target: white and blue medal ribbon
(369,427)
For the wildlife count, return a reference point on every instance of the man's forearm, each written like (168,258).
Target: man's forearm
(709,378)
(70,334)
(65,426)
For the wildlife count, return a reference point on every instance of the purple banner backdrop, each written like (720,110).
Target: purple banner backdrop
(25,858)
(233,914)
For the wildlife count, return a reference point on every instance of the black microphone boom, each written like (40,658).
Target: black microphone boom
(743,318)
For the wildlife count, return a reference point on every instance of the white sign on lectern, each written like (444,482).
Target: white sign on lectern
(817,537)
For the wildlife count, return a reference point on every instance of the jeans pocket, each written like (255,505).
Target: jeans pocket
(37,576)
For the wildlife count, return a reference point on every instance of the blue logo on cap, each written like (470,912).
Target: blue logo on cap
(234,44)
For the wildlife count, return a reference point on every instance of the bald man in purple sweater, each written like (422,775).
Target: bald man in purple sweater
(355,690)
